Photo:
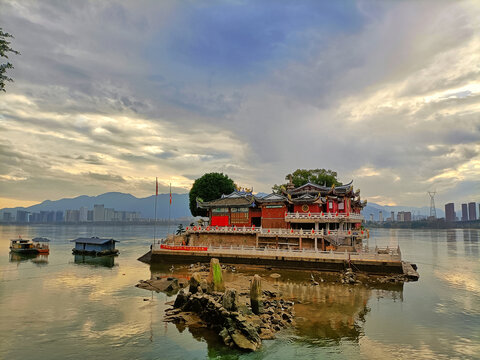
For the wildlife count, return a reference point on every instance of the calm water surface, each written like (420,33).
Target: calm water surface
(67,307)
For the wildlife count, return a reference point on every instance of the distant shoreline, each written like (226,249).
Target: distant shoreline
(106,223)
(425,224)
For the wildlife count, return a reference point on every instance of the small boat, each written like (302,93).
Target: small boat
(35,246)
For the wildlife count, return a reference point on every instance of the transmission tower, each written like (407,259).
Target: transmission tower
(433,211)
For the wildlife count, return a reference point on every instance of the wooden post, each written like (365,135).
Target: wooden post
(276,241)
(300,243)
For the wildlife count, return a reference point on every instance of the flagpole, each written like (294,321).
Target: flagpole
(155,223)
(169,209)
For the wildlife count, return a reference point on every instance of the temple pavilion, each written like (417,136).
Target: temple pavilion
(311,211)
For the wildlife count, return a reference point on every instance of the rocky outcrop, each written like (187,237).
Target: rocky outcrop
(256,295)
(230,300)
(215,276)
(235,324)
(348,277)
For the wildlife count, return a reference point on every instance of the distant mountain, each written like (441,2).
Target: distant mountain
(179,209)
(118,201)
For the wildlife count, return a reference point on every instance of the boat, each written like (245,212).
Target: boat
(38,245)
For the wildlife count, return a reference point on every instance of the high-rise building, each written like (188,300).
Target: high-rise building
(90,215)
(464,212)
(371,217)
(72,216)
(7,217)
(407,216)
(98,213)
(83,214)
(380,216)
(400,216)
(450,212)
(109,214)
(22,216)
(59,216)
(392,215)
(472,211)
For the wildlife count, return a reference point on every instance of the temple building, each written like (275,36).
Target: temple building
(311,211)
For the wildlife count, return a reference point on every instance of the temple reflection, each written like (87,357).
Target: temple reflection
(334,311)
(329,311)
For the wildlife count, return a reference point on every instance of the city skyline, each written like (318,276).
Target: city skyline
(109,95)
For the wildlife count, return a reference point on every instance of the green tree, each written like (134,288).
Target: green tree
(316,176)
(207,188)
(4,49)
(180,229)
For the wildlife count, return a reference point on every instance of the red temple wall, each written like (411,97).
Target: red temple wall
(274,217)
(254,213)
(312,208)
(220,220)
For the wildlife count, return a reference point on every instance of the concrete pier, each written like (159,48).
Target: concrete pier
(371,263)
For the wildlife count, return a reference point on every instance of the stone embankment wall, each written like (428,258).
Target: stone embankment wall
(207,239)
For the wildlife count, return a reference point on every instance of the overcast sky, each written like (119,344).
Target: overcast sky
(108,95)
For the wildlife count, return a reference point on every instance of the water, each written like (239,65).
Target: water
(63,307)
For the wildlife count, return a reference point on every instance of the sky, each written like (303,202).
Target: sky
(109,95)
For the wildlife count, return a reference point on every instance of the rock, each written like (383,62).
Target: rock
(181,300)
(243,342)
(230,300)
(270,294)
(267,334)
(275,275)
(194,282)
(215,276)
(227,339)
(286,316)
(256,294)
(276,319)
(173,286)
(204,285)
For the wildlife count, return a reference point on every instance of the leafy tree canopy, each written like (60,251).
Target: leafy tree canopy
(4,49)
(209,187)
(316,176)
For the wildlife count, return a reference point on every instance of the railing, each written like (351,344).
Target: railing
(323,216)
(277,232)
(387,254)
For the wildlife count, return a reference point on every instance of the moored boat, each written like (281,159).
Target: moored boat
(35,246)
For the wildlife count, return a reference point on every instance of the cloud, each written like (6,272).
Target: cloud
(384,93)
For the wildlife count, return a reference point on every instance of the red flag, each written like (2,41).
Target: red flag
(156,186)
(170,194)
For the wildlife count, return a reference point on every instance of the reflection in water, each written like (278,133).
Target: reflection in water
(470,242)
(325,313)
(452,242)
(37,259)
(332,311)
(106,261)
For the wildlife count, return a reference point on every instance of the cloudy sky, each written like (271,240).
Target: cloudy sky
(108,95)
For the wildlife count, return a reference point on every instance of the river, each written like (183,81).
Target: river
(66,307)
